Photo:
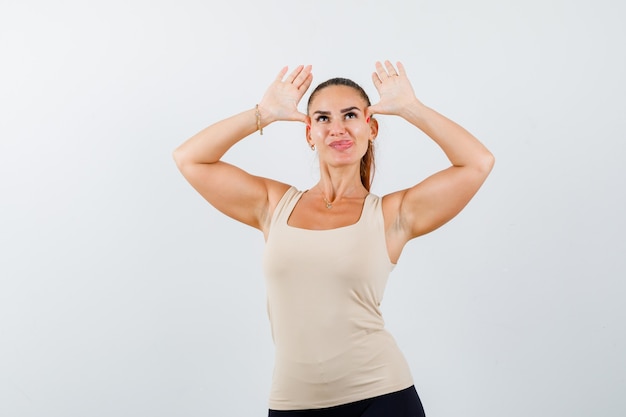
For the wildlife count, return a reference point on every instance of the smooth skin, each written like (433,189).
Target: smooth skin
(339,125)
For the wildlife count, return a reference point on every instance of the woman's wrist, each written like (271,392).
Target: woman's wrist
(414,112)
(262,117)
(257,115)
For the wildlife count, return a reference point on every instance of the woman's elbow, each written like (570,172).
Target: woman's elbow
(482,165)
(488,161)
(180,158)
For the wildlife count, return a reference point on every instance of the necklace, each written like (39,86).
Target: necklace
(329,205)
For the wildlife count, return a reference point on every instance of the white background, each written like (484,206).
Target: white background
(123,293)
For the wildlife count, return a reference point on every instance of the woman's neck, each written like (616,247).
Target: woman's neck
(334,188)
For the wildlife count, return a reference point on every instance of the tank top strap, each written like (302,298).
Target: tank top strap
(285,206)
(372,211)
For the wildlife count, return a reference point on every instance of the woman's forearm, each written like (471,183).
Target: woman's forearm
(460,146)
(280,102)
(210,144)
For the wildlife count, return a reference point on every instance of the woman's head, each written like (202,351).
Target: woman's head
(350,92)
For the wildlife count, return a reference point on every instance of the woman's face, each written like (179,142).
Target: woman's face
(340,129)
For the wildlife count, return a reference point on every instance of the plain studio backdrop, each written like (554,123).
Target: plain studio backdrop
(123,293)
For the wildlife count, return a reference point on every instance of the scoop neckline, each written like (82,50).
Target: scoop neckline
(301,193)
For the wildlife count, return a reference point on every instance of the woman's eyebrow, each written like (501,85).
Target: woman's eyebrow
(346,110)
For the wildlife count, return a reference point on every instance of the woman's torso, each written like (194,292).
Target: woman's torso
(324,291)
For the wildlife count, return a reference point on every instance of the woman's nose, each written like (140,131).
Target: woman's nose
(337,127)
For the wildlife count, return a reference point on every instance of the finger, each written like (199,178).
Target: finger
(302,76)
(294,74)
(301,117)
(372,110)
(390,69)
(401,70)
(380,71)
(376,79)
(282,73)
(306,84)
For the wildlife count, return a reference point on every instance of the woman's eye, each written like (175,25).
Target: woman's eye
(350,115)
(321,119)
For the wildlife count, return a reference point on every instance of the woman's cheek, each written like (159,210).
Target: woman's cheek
(318,133)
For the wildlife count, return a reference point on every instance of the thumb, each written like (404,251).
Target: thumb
(372,110)
(301,117)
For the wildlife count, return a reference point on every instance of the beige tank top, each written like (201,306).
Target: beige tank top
(324,289)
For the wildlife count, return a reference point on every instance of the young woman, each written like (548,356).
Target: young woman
(330,249)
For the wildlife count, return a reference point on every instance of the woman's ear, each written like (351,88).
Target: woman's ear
(308,132)
(373,128)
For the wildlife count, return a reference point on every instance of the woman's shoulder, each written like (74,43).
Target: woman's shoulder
(392,199)
(391,204)
(276,190)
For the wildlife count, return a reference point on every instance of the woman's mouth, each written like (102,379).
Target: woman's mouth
(341,145)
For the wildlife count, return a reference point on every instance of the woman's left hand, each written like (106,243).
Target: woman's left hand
(394,88)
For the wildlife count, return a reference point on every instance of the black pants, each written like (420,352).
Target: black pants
(405,403)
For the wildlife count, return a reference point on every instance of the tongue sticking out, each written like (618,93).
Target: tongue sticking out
(341,144)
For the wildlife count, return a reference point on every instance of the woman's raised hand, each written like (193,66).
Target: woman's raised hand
(280,101)
(394,89)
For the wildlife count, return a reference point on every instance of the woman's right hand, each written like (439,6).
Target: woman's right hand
(280,101)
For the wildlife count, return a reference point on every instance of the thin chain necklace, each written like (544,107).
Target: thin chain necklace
(329,205)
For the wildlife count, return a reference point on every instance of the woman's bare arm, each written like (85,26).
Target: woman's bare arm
(434,201)
(230,189)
